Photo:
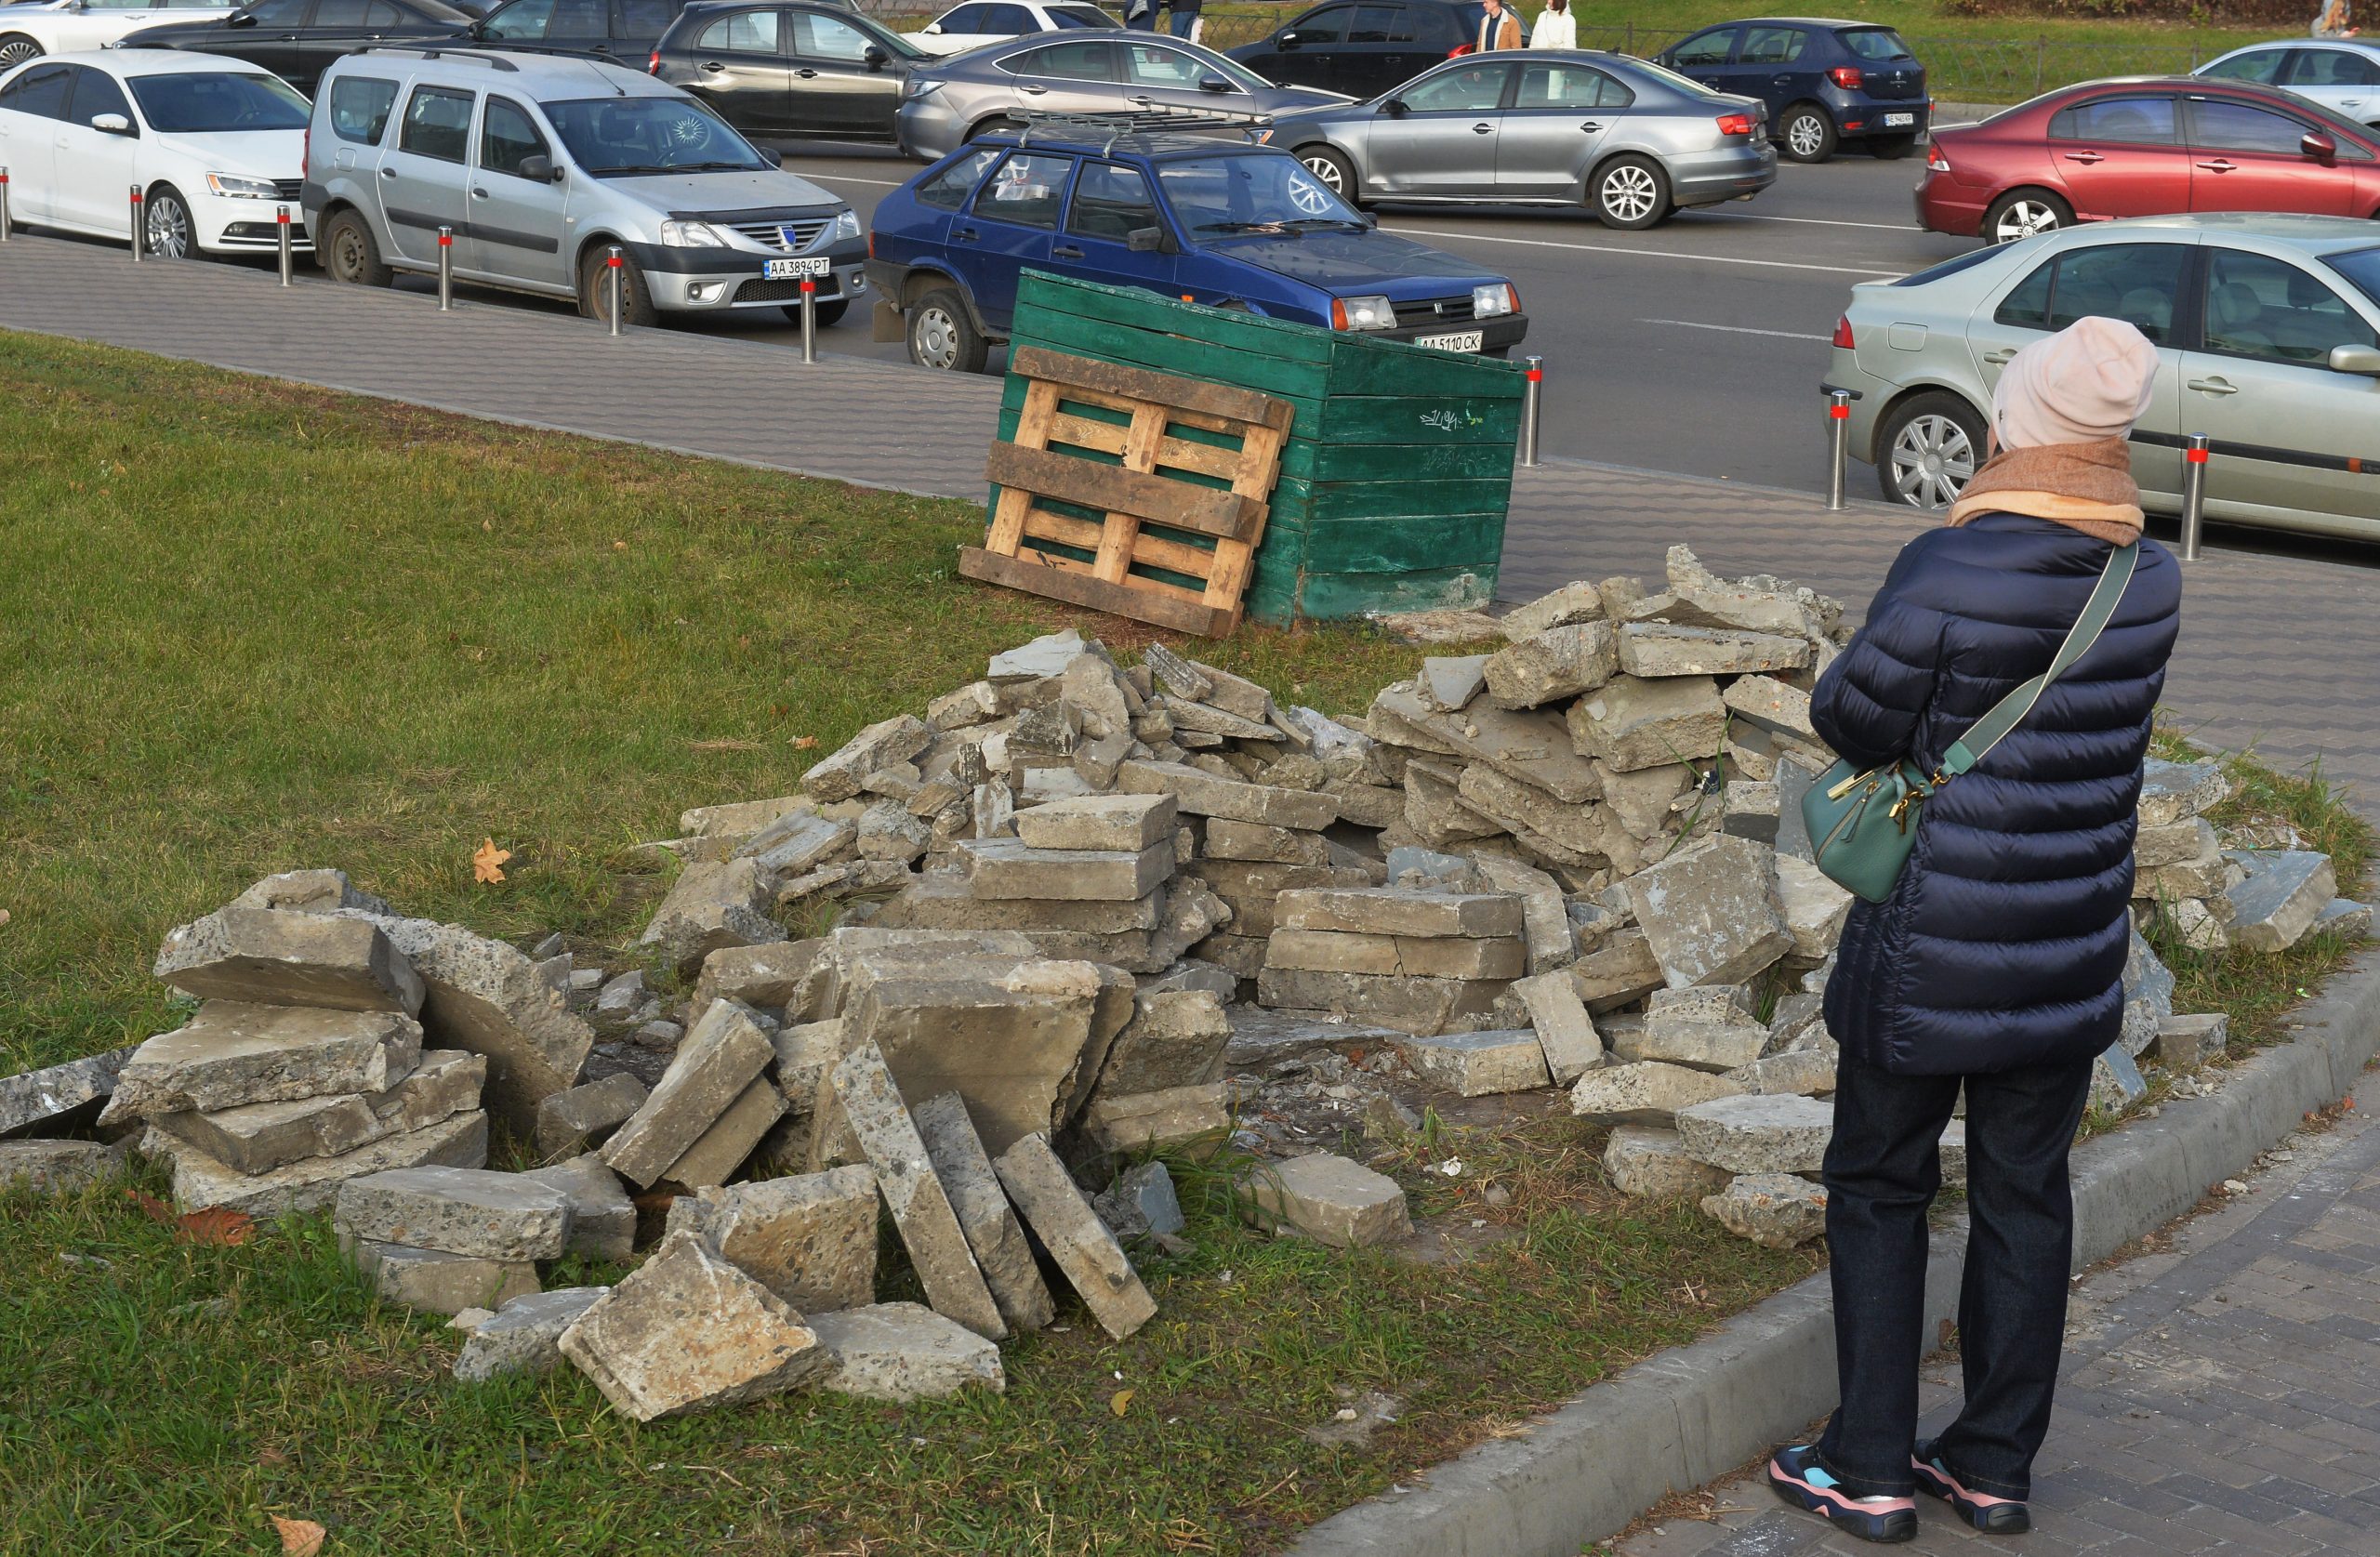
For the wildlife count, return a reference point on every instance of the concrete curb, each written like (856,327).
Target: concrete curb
(1694,1413)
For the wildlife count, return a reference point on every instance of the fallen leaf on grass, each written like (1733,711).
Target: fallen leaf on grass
(803,743)
(487,862)
(1120,1402)
(150,1207)
(299,1537)
(216,1224)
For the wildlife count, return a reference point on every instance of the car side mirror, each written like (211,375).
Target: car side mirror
(2320,147)
(1213,83)
(875,56)
(1394,108)
(1286,40)
(770,155)
(2365,359)
(1152,239)
(931,29)
(112,123)
(537,170)
(244,19)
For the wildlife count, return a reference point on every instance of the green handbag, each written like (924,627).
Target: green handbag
(1864,825)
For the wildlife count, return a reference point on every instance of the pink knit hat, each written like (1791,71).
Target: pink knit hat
(2089,381)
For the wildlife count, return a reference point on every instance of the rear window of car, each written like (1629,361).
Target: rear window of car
(2362,267)
(360,107)
(1947,269)
(1875,42)
(1080,16)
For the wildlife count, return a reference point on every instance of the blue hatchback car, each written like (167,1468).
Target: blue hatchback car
(1227,223)
(1825,81)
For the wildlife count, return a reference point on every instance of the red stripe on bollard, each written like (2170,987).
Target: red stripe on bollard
(1840,412)
(808,284)
(445,240)
(282,217)
(613,262)
(2196,456)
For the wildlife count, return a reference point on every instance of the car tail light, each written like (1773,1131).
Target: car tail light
(1457,51)
(1936,159)
(1842,333)
(653,63)
(1735,123)
(1846,76)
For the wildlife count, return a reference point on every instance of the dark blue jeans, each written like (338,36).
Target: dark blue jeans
(1882,1167)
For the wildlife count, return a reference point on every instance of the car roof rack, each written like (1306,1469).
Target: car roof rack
(1109,129)
(489,57)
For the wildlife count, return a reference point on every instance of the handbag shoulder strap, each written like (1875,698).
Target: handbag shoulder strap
(2010,711)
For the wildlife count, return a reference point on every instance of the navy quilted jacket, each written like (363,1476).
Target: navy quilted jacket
(2003,942)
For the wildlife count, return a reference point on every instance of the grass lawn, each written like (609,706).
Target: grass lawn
(250,627)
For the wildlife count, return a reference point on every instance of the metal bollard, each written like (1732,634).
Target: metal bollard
(809,319)
(1532,401)
(139,226)
(1838,421)
(2193,495)
(445,270)
(4,204)
(613,266)
(281,228)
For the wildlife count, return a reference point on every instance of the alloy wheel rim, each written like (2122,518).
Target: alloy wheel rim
(1805,135)
(1628,193)
(937,338)
(168,227)
(2025,219)
(1326,170)
(1932,461)
(17,53)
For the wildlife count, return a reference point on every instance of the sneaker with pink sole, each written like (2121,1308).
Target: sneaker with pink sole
(1798,1476)
(1993,1516)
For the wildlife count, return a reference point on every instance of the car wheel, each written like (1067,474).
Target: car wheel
(2022,212)
(169,230)
(1632,192)
(828,313)
(943,334)
(1891,148)
(16,49)
(1928,450)
(1338,174)
(348,253)
(1807,133)
(595,290)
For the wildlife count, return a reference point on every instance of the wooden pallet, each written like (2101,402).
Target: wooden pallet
(1151,521)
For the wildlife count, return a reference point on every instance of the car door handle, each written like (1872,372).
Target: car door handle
(2220,164)
(1483,129)
(1032,91)
(388,173)
(1999,357)
(1780,81)
(807,74)
(1591,127)
(478,193)
(2087,158)
(965,235)
(1067,252)
(2214,385)
(713,65)
(1144,100)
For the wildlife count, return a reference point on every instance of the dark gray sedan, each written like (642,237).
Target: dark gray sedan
(1629,141)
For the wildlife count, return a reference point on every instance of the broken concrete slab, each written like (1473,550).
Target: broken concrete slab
(275,957)
(58,1097)
(1768,703)
(603,1218)
(524,1336)
(1644,1092)
(2116,1081)
(311,891)
(1534,747)
(2190,840)
(1650,1163)
(1408,1005)
(257,1138)
(1545,919)
(1402,912)
(712,906)
(1748,809)
(1705,1041)
(1555,664)
(719,1151)
(798,842)
(1227,840)
(1449,682)
(1776,1211)
(1620,970)
(844,774)
(457,1211)
(767,976)
(994,1234)
(570,1122)
(1175,1038)
(1141,1204)
(2285,892)
(738,819)
(1710,912)
(1776,1134)
(1099,822)
(1328,1198)
(52,1165)
(438,1282)
(2184,1043)
(1632,723)
(872,1105)
(232,1053)
(687,1331)
(810,1238)
(1802,1071)
(1564,1031)
(2170,791)
(1813,907)
(1126,1122)
(1405,956)
(718,1059)
(1200,793)
(1480,1064)
(1003,867)
(904,1352)
(313,1183)
(1076,1240)
(1658,649)
(1561,608)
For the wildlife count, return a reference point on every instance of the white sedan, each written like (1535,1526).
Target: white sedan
(32,28)
(978,22)
(215,146)
(2343,74)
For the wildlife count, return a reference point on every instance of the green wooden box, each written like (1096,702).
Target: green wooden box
(1398,467)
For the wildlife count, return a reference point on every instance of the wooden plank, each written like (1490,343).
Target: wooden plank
(1077,566)
(1235,560)
(1156,551)
(1205,460)
(1040,525)
(1114,559)
(1113,380)
(1161,608)
(1111,487)
(1032,432)
(1273,339)
(1084,433)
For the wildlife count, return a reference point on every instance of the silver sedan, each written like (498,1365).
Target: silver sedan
(2268,335)
(947,103)
(1631,140)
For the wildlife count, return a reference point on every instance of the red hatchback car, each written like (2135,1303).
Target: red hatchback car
(2147,148)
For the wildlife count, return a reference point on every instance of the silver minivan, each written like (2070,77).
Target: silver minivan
(536,166)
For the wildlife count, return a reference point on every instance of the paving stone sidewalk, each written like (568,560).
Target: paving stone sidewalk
(2281,651)
(2221,1396)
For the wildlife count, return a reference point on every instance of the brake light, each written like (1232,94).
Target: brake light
(1846,76)
(653,63)
(1842,333)
(1457,51)
(1936,159)
(1338,314)
(1735,123)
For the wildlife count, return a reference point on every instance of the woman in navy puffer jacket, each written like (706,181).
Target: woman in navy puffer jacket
(1998,961)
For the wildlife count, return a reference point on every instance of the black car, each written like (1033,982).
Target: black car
(805,71)
(1825,81)
(295,39)
(1364,47)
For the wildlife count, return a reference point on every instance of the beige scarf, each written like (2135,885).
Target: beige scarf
(2085,486)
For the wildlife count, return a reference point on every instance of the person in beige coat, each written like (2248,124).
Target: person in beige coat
(1498,29)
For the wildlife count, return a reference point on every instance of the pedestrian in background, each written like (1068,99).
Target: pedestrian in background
(1141,15)
(2336,21)
(1556,28)
(1498,29)
(1997,961)
(1183,18)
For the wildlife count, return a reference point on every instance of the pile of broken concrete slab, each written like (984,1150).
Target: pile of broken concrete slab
(2262,899)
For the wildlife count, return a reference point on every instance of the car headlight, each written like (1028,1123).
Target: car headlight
(1363,314)
(1494,300)
(690,235)
(917,86)
(846,226)
(238,187)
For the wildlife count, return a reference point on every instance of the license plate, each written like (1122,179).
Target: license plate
(1457,340)
(1900,121)
(788,270)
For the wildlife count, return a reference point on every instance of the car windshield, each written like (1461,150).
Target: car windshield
(2362,267)
(1215,197)
(612,136)
(217,101)
(1875,42)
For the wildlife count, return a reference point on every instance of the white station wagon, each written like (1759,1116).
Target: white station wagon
(32,28)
